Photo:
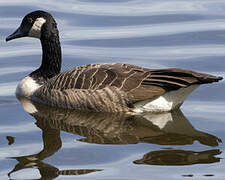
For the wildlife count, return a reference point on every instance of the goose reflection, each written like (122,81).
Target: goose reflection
(171,128)
(105,128)
(176,157)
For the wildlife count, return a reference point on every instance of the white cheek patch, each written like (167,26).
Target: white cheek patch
(35,30)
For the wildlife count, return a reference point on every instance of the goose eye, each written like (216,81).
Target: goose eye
(30,20)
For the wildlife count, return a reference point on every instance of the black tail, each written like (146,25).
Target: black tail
(206,78)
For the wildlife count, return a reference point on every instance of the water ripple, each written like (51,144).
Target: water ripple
(154,53)
(12,70)
(8,89)
(136,7)
(19,128)
(84,33)
(126,8)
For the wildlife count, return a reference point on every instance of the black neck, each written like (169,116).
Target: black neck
(51,59)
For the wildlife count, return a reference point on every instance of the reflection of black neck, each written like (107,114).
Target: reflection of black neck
(51,59)
(52,143)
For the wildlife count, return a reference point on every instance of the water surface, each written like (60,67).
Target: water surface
(54,144)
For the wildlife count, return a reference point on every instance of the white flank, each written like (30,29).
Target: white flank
(35,30)
(27,87)
(167,102)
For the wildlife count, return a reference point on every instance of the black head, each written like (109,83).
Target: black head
(38,24)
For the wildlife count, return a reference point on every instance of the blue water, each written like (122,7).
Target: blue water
(155,34)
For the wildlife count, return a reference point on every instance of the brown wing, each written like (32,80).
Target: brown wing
(139,83)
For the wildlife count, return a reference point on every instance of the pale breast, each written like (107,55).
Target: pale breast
(27,87)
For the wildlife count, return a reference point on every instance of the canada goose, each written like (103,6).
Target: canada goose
(100,87)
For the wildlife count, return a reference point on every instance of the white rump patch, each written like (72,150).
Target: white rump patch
(167,102)
(35,30)
(27,87)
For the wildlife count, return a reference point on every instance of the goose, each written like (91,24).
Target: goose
(108,87)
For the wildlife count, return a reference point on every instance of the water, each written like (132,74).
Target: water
(59,144)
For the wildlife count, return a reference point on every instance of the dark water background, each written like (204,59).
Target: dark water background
(155,34)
